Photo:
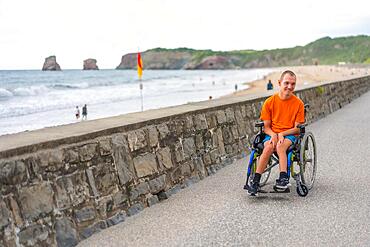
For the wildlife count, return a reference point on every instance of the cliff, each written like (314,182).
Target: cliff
(327,50)
(90,64)
(51,64)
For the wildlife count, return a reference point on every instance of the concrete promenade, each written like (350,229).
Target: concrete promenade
(217,211)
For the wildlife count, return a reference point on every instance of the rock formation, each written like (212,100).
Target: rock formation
(90,64)
(51,64)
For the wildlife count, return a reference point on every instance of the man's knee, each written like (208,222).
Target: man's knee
(268,149)
(281,147)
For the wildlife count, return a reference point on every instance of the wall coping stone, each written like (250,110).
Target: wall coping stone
(51,137)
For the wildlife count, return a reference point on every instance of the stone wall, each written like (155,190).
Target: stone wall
(62,195)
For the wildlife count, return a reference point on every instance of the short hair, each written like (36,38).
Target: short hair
(287,72)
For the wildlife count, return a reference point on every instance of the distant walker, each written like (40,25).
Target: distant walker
(84,112)
(270,86)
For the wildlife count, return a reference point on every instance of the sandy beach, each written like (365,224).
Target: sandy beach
(307,76)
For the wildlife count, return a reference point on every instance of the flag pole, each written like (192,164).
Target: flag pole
(141,95)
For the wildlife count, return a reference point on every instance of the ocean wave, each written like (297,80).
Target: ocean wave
(4,93)
(30,91)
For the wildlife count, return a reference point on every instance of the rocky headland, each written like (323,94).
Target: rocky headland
(51,64)
(90,64)
(324,51)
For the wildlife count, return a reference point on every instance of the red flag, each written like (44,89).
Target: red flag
(139,65)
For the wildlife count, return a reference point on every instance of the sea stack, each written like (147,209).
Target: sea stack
(51,64)
(90,64)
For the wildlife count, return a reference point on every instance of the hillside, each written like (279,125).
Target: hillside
(352,49)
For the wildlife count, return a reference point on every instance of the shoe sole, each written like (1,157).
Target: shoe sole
(283,187)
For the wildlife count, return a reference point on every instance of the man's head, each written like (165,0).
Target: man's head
(287,84)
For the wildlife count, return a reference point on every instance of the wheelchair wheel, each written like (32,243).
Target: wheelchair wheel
(264,177)
(308,160)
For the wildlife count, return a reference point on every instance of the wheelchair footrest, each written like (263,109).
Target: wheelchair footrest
(277,190)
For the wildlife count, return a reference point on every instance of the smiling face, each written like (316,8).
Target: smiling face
(287,85)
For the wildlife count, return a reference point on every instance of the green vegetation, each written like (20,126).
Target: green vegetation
(352,49)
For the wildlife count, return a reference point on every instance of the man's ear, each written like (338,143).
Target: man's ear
(279,82)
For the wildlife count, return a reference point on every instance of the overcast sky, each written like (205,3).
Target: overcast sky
(74,30)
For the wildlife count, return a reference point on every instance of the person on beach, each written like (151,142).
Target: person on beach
(281,113)
(270,86)
(77,113)
(84,112)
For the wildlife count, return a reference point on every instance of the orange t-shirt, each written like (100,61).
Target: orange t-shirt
(283,113)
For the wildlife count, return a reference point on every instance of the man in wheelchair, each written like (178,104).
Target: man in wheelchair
(281,113)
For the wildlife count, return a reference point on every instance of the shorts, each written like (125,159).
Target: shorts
(292,138)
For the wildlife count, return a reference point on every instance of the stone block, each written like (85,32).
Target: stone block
(85,214)
(87,152)
(136,139)
(163,130)
(104,206)
(230,117)
(105,178)
(192,180)
(200,122)
(95,228)
(188,146)
(37,200)
(122,159)
(72,190)
(12,172)
(134,209)
(164,158)
(118,218)
(105,147)
(199,142)
(199,167)
(214,156)
(145,165)
(5,215)
(179,152)
(166,194)
(34,235)
(227,135)
(207,159)
(211,120)
(234,132)
(157,184)
(66,234)
(70,155)
(153,136)
(16,212)
(51,160)
(221,117)
(120,199)
(138,190)
(220,141)
(153,199)
(188,124)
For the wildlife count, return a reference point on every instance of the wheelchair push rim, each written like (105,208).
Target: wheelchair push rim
(264,176)
(308,160)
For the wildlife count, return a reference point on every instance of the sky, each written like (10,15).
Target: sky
(74,30)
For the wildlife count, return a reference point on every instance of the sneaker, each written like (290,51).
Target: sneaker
(253,189)
(282,183)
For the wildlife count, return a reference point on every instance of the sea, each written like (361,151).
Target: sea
(33,99)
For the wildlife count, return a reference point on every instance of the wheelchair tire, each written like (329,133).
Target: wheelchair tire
(308,160)
(264,177)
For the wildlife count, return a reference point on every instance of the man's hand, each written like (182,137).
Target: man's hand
(274,140)
(280,138)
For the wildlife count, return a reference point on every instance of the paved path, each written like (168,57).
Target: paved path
(217,212)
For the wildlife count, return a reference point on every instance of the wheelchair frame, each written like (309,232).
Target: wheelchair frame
(298,152)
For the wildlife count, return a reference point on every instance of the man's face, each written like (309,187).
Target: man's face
(287,85)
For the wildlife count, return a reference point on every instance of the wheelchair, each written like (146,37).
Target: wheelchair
(301,161)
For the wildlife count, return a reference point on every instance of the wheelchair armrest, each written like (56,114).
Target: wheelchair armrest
(302,125)
(306,106)
(259,124)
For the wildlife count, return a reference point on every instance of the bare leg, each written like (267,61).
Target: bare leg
(281,151)
(265,156)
